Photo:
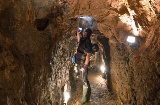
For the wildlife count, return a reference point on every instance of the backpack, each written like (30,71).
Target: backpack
(95,48)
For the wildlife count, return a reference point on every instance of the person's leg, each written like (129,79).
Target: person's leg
(86,87)
(85,77)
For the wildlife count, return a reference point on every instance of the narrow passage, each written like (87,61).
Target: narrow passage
(99,92)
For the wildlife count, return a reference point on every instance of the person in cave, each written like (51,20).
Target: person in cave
(83,60)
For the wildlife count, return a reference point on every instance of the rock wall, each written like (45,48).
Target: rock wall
(62,68)
(25,51)
(135,79)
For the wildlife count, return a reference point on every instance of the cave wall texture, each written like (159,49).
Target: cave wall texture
(25,52)
(31,71)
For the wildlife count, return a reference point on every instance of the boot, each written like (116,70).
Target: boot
(84,96)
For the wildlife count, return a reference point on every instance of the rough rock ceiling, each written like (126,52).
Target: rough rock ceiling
(117,19)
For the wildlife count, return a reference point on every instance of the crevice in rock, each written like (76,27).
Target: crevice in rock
(41,24)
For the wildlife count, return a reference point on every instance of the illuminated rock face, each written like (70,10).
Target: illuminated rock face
(26,76)
(134,70)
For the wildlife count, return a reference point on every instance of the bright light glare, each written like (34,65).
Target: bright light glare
(80,29)
(131,39)
(84,17)
(103,68)
(66,97)
(88,18)
(129,20)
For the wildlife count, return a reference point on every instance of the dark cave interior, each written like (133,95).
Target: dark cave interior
(38,40)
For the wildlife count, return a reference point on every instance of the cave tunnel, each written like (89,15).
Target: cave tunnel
(99,69)
(38,40)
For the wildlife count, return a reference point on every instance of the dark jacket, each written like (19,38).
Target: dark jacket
(85,46)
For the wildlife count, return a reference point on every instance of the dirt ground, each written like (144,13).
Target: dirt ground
(99,91)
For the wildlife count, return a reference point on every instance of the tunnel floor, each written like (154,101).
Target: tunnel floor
(99,92)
